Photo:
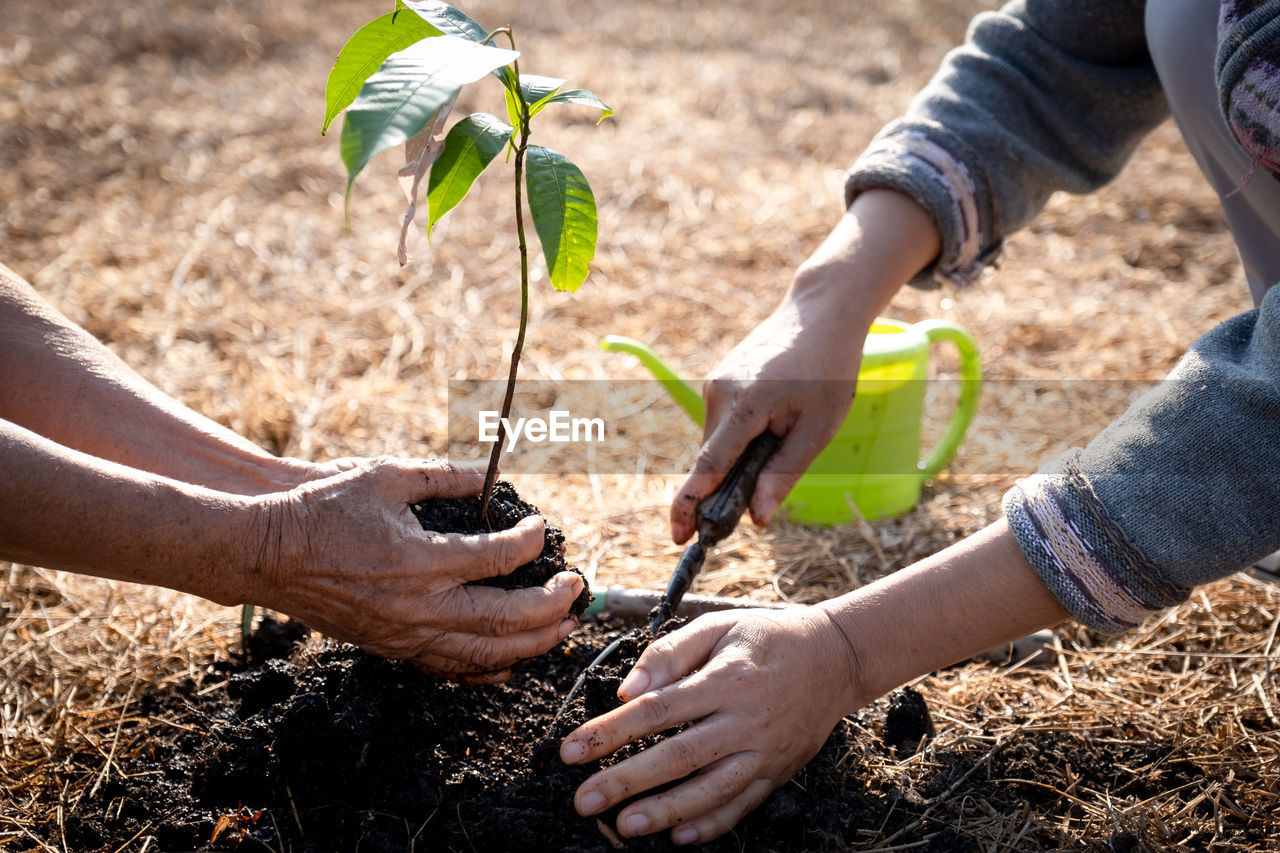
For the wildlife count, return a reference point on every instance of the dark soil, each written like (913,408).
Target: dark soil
(312,746)
(506,508)
(907,722)
(331,749)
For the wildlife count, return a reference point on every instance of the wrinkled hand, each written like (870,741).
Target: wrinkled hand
(762,689)
(794,374)
(346,555)
(287,472)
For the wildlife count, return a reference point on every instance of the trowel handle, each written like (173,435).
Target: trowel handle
(719,512)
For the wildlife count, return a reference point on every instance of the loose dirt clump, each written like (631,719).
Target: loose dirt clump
(907,722)
(506,508)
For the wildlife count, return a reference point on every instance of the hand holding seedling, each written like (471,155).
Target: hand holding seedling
(106,475)
(342,553)
(796,372)
(347,556)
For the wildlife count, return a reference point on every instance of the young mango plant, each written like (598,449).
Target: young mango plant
(397,79)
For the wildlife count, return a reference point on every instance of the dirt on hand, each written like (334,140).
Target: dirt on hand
(506,508)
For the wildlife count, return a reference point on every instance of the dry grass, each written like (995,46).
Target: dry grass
(165,185)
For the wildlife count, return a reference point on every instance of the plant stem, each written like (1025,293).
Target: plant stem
(491,474)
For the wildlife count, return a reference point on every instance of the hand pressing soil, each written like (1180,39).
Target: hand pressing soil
(462,515)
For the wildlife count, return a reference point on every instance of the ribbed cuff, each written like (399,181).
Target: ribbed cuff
(905,158)
(1084,558)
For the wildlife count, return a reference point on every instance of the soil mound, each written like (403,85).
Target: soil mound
(334,749)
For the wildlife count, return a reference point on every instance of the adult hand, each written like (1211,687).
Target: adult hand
(292,471)
(347,556)
(762,689)
(796,372)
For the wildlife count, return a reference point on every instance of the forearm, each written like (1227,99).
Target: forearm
(1041,97)
(973,596)
(1178,491)
(881,242)
(60,382)
(62,509)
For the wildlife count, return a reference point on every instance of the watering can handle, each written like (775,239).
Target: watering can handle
(970,385)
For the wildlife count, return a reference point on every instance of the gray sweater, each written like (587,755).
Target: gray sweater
(1052,95)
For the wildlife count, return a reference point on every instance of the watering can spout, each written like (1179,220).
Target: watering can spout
(685,395)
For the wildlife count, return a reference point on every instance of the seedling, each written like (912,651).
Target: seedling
(397,79)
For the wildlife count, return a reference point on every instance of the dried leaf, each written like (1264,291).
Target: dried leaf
(419,153)
(224,823)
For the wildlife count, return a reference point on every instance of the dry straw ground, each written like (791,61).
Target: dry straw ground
(165,184)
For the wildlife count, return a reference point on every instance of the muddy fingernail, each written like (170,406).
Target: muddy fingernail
(574,752)
(685,835)
(590,803)
(567,626)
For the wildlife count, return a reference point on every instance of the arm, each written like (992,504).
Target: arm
(1044,95)
(1178,491)
(764,689)
(63,509)
(344,554)
(63,384)
(796,372)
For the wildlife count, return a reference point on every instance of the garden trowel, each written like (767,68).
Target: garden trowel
(717,515)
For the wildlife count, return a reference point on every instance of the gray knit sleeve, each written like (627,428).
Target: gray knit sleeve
(1044,95)
(1182,489)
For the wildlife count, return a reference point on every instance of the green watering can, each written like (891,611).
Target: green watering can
(874,459)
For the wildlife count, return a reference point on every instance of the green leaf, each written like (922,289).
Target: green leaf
(538,90)
(454,23)
(364,52)
(564,215)
(470,146)
(447,19)
(399,100)
(583,97)
(535,89)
